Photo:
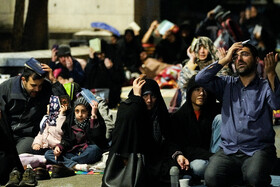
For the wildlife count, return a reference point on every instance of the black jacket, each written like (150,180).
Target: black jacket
(24,113)
(191,136)
(8,154)
(95,134)
(134,133)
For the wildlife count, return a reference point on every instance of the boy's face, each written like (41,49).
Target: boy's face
(32,87)
(81,113)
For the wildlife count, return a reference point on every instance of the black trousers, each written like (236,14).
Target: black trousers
(240,169)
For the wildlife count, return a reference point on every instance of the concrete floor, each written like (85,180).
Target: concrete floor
(74,181)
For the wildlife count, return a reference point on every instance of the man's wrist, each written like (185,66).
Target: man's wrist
(223,61)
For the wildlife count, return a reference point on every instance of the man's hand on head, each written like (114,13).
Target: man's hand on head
(49,71)
(231,51)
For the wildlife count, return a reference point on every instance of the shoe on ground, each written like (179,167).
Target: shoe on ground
(81,167)
(42,173)
(14,178)
(60,171)
(28,178)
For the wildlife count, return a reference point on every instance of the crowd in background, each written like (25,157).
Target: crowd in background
(74,135)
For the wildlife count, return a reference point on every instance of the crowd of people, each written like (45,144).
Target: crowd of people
(220,132)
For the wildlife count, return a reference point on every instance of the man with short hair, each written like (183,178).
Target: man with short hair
(24,99)
(247,146)
(62,58)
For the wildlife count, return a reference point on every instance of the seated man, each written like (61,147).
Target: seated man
(247,147)
(192,130)
(24,100)
(63,55)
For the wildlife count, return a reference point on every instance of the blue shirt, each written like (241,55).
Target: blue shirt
(246,111)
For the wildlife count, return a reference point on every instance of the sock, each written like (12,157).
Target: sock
(81,167)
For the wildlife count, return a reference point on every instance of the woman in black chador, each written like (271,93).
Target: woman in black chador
(139,142)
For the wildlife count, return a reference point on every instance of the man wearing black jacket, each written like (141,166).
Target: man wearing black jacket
(24,99)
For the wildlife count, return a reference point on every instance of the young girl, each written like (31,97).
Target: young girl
(83,138)
(50,127)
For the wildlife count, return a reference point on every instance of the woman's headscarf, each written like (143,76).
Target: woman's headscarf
(53,113)
(208,44)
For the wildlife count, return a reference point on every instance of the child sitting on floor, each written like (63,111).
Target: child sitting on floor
(50,127)
(83,138)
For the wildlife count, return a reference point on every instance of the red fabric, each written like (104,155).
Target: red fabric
(197,114)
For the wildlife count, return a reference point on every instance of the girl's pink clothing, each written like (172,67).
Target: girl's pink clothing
(51,135)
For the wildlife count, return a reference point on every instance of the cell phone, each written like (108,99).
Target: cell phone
(55,46)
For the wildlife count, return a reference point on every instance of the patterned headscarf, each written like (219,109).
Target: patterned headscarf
(53,113)
(208,44)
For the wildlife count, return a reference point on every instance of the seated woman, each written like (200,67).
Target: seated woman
(195,131)
(82,141)
(139,134)
(201,53)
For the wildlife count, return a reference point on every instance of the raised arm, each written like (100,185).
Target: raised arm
(270,62)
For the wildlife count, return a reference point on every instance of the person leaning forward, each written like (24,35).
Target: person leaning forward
(247,148)
(24,100)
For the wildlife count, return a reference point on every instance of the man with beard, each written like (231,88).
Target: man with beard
(247,151)
(24,99)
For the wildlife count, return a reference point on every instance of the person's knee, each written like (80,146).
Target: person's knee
(211,178)
(217,121)
(49,154)
(24,145)
(257,179)
(198,166)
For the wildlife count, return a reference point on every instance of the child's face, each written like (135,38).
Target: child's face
(81,113)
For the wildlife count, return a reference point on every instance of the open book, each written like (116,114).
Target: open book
(164,26)
(95,44)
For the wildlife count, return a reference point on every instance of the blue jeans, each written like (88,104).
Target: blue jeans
(198,166)
(90,155)
(216,134)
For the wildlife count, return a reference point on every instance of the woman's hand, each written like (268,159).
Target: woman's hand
(183,162)
(137,86)
(221,53)
(191,63)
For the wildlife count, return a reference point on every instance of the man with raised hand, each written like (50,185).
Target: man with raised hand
(247,147)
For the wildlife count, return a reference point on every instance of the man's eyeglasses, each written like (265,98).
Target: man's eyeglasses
(242,54)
